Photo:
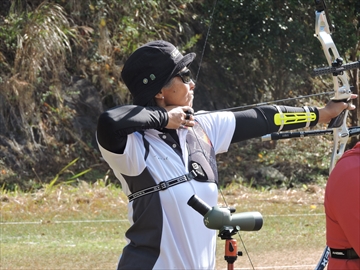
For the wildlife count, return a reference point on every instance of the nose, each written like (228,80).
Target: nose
(192,85)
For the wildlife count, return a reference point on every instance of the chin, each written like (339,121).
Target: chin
(191,102)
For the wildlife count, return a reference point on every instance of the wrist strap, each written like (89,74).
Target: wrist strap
(346,254)
(279,118)
(308,116)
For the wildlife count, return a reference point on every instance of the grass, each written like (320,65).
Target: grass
(83,227)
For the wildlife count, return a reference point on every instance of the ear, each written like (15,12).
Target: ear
(159,95)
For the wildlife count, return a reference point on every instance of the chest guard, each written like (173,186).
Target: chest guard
(202,157)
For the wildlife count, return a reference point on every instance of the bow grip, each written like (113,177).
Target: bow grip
(338,120)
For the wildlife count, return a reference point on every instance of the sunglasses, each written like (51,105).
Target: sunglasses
(185,76)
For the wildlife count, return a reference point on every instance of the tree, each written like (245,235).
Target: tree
(266,50)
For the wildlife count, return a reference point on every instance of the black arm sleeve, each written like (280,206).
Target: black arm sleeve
(260,121)
(115,124)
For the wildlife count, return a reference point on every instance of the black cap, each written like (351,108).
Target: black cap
(150,67)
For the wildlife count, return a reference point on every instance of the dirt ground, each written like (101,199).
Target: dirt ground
(291,259)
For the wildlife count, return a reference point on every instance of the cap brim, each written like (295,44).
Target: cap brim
(184,62)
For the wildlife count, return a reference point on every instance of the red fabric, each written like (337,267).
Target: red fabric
(342,207)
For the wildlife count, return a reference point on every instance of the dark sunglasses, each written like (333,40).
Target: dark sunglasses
(185,76)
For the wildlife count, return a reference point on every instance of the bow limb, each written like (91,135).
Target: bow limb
(342,91)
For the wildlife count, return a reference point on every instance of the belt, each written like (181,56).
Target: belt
(347,254)
(163,185)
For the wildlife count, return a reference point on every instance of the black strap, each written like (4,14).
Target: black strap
(347,254)
(163,185)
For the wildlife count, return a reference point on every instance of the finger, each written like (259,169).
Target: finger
(350,107)
(188,110)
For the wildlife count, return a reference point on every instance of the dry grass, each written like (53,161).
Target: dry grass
(66,227)
(64,202)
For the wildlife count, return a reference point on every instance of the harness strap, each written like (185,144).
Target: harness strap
(163,185)
(347,254)
(281,118)
(308,116)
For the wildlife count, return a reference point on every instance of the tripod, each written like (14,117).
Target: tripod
(217,218)
(231,253)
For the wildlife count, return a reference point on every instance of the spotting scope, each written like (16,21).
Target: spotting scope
(216,218)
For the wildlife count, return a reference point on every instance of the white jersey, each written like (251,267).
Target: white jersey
(165,232)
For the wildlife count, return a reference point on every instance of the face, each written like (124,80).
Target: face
(179,91)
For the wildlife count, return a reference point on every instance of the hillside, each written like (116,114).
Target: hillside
(60,64)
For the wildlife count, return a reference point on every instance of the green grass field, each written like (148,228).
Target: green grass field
(83,227)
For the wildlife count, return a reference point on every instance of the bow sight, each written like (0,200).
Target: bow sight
(337,68)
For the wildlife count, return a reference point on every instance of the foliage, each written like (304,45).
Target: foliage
(70,179)
(265,50)
(277,164)
(45,38)
(46,48)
